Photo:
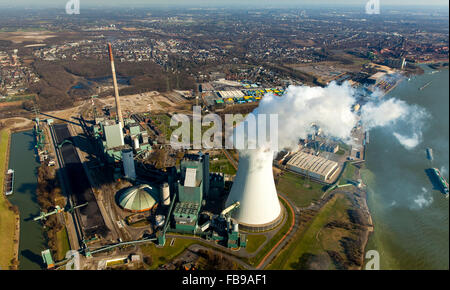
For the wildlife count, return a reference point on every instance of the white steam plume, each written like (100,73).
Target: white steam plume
(424,199)
(330,108)
(408,142)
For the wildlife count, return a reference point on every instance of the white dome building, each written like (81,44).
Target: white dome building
(139,198)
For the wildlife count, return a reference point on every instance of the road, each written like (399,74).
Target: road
(230,158)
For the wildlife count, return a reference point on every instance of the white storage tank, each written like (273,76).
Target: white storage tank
(159,220)
(135,142)
(165,194)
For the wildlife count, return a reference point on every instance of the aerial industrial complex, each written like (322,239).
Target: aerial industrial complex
(126,187)
(101,113)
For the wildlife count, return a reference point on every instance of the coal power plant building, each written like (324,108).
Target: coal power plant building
(193,187)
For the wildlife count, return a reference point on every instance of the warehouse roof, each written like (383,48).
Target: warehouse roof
(312,163)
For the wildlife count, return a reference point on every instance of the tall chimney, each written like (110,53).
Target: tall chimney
(116,89)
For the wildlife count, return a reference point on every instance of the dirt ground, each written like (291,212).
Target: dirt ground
(19,37)
(16,122)
(138,103)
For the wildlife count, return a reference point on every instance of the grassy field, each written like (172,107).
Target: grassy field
(62,241)
(7,217)
(162,121)
(163,124)
(254,242)
(340,152)
(164,105)
(301,191)
(348,173)
(163,255)
(315,239)
(17,98)
(222,165)
(267,247)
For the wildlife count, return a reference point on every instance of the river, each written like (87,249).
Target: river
(411,217)
(23,161)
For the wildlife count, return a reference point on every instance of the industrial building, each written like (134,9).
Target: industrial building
(116,145)
(231,94)
(139,198)
(193,187)
(177,204)
(313,166)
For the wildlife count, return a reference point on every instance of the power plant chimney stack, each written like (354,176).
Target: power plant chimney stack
(116,89)
(254,188)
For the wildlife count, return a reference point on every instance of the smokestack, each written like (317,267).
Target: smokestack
(116,89)
(254,188)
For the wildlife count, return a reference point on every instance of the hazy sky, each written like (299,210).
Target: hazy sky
(237,3)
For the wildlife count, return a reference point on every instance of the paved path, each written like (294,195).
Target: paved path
(286,238)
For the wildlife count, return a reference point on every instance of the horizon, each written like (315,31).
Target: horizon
(245,4)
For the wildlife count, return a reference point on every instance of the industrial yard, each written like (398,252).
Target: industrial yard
(132,201)
(136,209)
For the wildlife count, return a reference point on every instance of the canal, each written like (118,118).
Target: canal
(23,161)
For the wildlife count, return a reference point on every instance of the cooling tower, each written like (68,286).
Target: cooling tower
(254,188)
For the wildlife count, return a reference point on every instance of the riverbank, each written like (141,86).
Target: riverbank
(9,215)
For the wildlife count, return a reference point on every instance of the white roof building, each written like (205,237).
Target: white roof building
(314,166)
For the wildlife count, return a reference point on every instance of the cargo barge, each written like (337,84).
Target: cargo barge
(441,180)
(9,182)
(430,154)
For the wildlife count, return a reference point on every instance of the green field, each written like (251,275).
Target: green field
(254,242)
(301,191)
(340,152)
(7,217)
(162,121)
(315,238)
(274,240)
(163,124)
(348,173)
(62,242)
(222,165)
(165,254)
(16,98)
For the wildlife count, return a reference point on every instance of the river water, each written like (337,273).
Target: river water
(23,161)
(411,216)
